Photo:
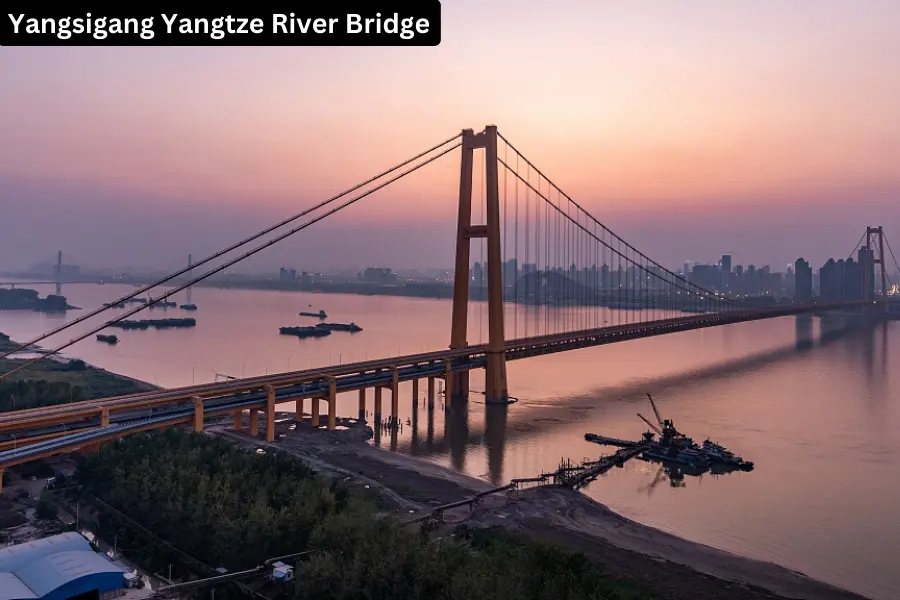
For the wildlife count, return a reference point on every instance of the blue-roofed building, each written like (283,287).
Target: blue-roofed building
(61,567)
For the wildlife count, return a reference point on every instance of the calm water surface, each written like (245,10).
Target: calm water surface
(817,414)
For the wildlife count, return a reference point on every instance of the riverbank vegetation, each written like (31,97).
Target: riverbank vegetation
(50,382)
(231,508)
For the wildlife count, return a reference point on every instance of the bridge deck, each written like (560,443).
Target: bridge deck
(82,419)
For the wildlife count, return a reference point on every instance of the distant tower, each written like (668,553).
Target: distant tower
(726,270)
(190,262)
(875,256)
(803,284)
(58,273)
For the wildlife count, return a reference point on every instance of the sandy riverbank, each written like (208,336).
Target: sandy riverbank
(672,567)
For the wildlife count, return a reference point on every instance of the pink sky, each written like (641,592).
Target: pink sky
(641,111)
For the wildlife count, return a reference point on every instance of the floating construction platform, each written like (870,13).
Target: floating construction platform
(675,447)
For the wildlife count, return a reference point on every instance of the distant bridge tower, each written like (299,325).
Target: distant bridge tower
(496,389)
(58,273)
(875,235)
(188,292)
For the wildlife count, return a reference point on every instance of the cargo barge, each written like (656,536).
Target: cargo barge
(351,327)
(155,323)
(305,332)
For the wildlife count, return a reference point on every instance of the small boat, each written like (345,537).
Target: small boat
(109,339)
(321,314)
(111,305)
(189,306)
(161,303)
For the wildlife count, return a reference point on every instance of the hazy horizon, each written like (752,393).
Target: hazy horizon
(767,131)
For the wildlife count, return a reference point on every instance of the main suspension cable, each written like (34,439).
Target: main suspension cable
(220,253)
(233,261)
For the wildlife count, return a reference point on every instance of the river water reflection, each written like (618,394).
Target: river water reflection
(808,400)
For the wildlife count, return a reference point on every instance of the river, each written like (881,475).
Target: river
(818,416)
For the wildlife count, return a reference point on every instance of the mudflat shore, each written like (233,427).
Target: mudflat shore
(668,566)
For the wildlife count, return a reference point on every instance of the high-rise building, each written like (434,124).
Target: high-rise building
(478,274)
(726,271)
(866,260)
(803,281)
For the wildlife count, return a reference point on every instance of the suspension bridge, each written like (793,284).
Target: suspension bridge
(539,250)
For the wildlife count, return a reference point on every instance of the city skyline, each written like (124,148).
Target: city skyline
(691,137)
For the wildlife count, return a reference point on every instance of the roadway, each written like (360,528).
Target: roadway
(80,420)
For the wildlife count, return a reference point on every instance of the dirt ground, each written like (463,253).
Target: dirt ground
(670,567)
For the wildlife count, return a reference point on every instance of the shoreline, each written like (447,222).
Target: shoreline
(671,566)
(82,380)
(567,518)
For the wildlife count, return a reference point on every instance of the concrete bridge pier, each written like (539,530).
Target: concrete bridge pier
(415,389)
(315,411)
(270,413)
(254,422)
(377,417)
(362,404)
(448,379)
(237,420)
(332,403)
(298,410)
(431,393)
(395,396)
(198,414)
